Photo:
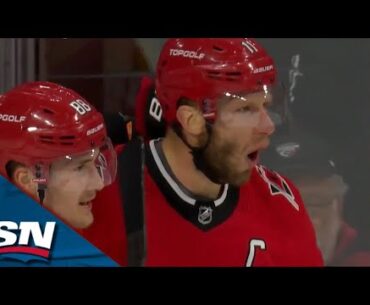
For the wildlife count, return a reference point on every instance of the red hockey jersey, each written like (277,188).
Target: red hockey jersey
(263,223)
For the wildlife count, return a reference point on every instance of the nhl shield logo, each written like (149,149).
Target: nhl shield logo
(205,215)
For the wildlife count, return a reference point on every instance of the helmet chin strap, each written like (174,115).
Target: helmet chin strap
(198,152)
(41,187)
(41,192)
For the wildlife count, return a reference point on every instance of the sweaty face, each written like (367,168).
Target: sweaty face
(323,203)
(72,185)
(241,130)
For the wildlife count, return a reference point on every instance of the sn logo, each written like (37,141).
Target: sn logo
(16,238)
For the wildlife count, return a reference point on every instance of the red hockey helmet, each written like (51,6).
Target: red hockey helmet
(42,122)
(203,69)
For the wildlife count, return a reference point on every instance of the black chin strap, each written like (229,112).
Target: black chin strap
(41,192)
(198,152)
(177,128)
(41,187)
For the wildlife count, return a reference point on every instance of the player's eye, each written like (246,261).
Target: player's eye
(244,109)
(80,167)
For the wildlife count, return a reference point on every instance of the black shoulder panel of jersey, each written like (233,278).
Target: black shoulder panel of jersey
(204,214)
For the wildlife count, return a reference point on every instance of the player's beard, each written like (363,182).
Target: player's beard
(215,160)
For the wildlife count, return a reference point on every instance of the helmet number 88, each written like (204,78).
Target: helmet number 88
(80,106)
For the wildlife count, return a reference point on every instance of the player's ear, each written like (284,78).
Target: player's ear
(190,119)
(22,177)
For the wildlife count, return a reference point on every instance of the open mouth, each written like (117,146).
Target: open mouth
(87,204)
(253,156)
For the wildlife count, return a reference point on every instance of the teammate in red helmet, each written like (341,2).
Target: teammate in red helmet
(205,199)
(54,146)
